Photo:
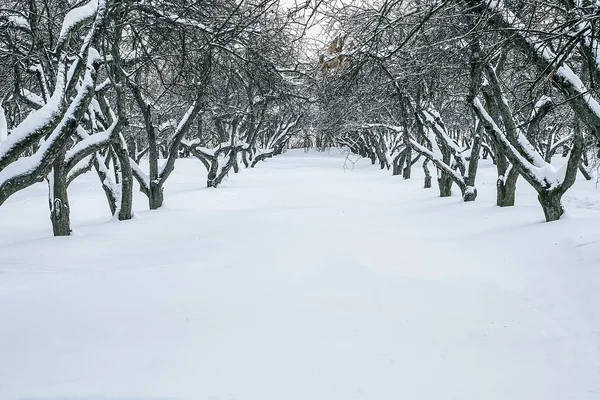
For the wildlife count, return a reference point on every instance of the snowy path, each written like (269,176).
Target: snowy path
(297,280)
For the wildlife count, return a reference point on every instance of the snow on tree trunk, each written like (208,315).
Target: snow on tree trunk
(399,162)
(506,187)
(550,183)
(537,48)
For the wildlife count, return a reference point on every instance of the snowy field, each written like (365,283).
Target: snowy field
(301,280)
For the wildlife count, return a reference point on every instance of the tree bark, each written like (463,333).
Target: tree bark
(407,163)
(399,161)
(126,209)
(155,195)
(120,147)
(506,188)
(59,200)
(551,204)
(427,184)
(110,195)
(585,172)
(444,183)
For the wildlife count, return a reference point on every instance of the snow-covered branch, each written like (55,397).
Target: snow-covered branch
(584,104)
(75,18)
(91,144)
(180,131)
(27,170)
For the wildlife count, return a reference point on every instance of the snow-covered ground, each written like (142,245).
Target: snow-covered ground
(301,280)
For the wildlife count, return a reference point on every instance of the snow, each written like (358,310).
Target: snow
(137,170)
(435,154)
(75,17)
(184,21)
(97,139)
(432,117)
(212,152)
(542,49)
(539,104)
(562,141)
(84,164)
(102,86)
(39,70)
(38,118)
(33,98)
(167,124)
(296,280)
(26,165)
(18,22)
(108,181)
(542,172)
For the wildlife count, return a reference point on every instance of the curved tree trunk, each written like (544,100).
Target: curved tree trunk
(506,188)
(427,184)
(110,195)
(552,205)
(398,163)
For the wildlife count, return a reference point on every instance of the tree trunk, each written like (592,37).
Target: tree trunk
(549,144)
(506,185)
(225,170)
(398,163)
(122,154)
(407,163)
(212,173)
(427,184)
(585,172)
(444,183)
(245,157)
(506,189)
(372,156)
(551,204)
(59,200)
(469,194)
(121,149)
(381,158)
(236,166)
(110,195)
(155,195)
